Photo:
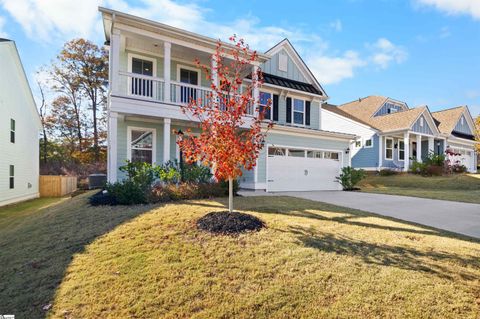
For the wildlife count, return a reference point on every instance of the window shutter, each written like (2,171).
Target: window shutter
(289,110)
(275,107)
(307,112)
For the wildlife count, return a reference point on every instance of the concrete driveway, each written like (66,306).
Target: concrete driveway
(462,218)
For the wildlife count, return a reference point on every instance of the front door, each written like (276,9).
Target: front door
(187,92)
(413,150)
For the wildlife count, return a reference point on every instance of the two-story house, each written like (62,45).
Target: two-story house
(152,73)
(392,135)
(20,126)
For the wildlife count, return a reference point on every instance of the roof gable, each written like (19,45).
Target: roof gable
(450,120)
(296,69)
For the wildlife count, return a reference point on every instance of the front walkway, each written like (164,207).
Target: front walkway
(462,218)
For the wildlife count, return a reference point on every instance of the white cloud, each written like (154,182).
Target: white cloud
(47,19)
(455,7)
(3,34)
(332,70)
(336,25)
(386,52)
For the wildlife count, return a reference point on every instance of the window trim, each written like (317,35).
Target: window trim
(131,56)
(271,105)
(190,68)
(365,143)
(400,150)
(387,148)
(293,110)
(154,141)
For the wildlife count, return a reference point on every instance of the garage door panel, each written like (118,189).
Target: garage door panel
(302,174)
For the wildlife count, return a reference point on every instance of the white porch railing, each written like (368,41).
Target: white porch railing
(153,89)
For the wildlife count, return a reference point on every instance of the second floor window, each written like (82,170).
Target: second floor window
(264,97)
(298,111)
(188,93)
(12,131)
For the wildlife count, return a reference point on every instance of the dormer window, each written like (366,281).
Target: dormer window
(392,110)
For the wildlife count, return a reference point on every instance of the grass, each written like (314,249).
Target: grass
(461,188)
(313,261)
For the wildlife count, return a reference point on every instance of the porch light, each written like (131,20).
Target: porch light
(395,146)
(347,150)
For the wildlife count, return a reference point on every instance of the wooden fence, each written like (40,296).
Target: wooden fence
(57,186)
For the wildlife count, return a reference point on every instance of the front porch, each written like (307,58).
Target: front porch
(400,149)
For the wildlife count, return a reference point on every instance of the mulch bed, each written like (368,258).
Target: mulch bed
(227,223)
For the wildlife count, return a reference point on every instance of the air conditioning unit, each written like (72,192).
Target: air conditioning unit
(96,181)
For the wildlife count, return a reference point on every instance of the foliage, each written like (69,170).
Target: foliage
(227,143)
(182,191)
(350,177)
(387,172)
(224,186)
(435,159)
(126,192)
(419,168)
(140,173)
(102,198)
(195,173)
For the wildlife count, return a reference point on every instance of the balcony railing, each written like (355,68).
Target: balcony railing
(151,88)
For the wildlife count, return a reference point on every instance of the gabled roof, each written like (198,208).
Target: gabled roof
(9,45)
(335,109)
(297,59)
(447,119)
(364,108)
(397,121)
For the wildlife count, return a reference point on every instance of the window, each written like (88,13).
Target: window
(296,153)
(12,131)
(392,110)
(12,177)
(330,155)
(283,62)
(298,111)
(142,145)
(462,120)
(368,143)
(401,150)
(388,148)
(358,144)
(276,151)
(142,86)
(314,154)
(264,97)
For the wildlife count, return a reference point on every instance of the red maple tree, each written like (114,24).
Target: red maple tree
(231,121)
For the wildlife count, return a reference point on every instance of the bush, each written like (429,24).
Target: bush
(102,198)
(387,172)
(419,168)
(182,191)
(224,186)
(141,174)
(196,173)
(435,160)
(127,192)
(350,177)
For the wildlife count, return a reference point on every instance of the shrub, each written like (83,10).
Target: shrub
(434,170)
(435,159)
(350,177)
(182,191)
(196,173)
(224,187)
(419,168)
(102,198)
(127,192)
(387,172)
(140,174)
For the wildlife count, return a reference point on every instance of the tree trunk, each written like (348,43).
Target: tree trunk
(230,194)
(45,144)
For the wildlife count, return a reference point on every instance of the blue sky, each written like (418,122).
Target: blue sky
(418,51)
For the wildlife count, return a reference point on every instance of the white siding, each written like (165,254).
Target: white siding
(17,103)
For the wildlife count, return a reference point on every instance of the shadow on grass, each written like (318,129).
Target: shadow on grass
(438,263)
(35,253)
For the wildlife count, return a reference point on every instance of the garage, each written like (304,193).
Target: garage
(295,169)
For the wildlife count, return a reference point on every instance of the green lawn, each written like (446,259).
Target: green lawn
(313,261)
(461,188)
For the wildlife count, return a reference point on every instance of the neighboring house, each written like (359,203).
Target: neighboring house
(19,130)
(392,134)
(152,74)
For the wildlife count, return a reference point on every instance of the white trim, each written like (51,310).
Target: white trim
(190,68)
(392,148)
(271,97)
(154,141)
(304,111)
(349,120)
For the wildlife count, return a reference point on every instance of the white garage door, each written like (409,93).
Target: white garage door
(464,157)
(302,170)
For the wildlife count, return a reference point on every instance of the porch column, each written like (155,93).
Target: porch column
(167,46)
(112,147)
(419,148)
(166,139)
(431,145)
(380,151)
(406,142)
(444,148)
(114,61)
(256,90)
